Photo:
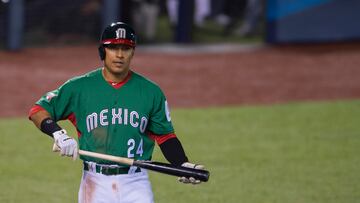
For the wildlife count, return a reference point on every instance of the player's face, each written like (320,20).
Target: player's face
(117,59)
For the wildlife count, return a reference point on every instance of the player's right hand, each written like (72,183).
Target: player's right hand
(67,146)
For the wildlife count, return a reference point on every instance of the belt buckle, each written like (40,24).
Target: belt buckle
(116,170)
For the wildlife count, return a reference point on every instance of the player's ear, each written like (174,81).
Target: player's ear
(132,52)
(101,50)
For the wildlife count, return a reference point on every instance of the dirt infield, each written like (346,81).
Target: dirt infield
(264,75)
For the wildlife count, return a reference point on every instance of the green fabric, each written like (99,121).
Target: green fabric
(111,121)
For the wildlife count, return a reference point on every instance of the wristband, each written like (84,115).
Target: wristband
(49,126)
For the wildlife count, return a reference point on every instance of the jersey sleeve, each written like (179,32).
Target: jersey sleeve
(160,120)
(57,102)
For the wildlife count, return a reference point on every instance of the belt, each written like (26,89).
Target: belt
(110,170)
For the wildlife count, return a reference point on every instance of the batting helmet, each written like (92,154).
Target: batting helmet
(116,33)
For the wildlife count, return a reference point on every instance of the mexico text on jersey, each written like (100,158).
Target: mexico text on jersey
(116,116)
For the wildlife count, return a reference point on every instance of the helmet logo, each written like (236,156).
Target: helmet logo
(120,33)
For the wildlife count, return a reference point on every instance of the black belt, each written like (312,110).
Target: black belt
(109,170)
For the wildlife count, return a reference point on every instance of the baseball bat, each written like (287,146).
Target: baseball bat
(165,168)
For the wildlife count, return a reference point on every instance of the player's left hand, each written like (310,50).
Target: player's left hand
(191,179)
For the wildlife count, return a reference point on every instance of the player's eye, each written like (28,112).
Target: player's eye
(113,46)
(126,48)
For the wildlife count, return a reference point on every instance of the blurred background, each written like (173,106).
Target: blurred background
(35,23)
(43,22)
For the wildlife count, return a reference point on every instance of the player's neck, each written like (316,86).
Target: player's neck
(110,77)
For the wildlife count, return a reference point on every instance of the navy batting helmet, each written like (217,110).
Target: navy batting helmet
(116,33)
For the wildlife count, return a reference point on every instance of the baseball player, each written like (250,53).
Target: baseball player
(115,111)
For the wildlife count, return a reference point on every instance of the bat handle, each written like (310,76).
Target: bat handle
(199,174)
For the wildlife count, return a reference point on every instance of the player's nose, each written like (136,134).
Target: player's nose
(119,53)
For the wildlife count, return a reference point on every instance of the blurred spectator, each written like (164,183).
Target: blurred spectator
(202,11)
(250,24)
(145,16)
(231,13)
(234,9)
(226,13)
(64,20)
(172,6)
(217,12)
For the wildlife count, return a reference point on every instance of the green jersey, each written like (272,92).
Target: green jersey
(111,120)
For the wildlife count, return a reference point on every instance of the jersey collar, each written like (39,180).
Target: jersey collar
(117,85)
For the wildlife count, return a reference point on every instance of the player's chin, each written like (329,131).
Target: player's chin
(118,67)
(118,70)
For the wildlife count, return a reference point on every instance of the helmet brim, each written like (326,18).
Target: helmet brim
(119,41)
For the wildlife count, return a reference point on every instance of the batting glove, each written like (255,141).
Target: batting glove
(191,179)
(67,146)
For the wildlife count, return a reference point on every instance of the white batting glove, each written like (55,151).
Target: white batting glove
(191,179)
(67,146)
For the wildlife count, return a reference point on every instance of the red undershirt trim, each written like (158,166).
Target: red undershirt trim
(36,108)
(161,138)
(72,119)
(117,85)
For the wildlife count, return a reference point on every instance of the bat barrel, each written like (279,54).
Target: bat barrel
(169,169)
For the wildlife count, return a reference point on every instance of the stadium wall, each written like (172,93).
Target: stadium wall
(289,21)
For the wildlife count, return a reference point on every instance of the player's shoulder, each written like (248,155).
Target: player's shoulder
(87,76)
(79,82)
(84,77)
(145,82)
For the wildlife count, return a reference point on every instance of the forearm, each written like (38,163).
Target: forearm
(173,151)
(66,145)
(38,117)
(44,122)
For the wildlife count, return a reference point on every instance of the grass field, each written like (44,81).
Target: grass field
(298,153)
